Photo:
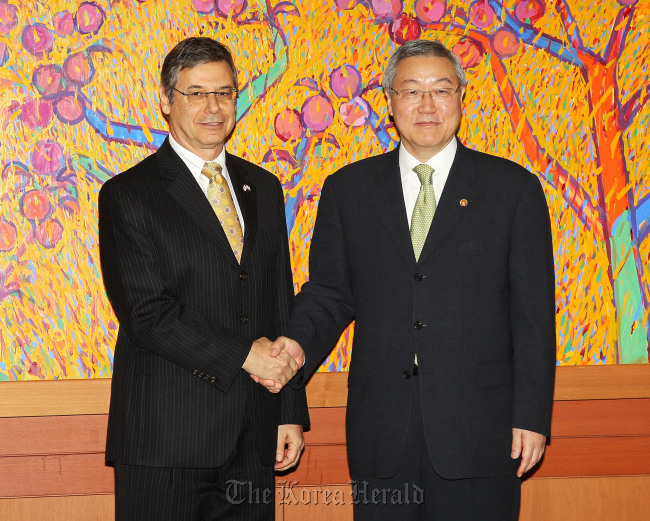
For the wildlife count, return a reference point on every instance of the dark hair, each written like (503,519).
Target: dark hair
(420,48)
(190,53)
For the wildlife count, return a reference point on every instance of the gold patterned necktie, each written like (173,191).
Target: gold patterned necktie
(221,200)
(425,207)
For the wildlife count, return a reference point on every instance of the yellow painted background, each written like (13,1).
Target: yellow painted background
(560,87)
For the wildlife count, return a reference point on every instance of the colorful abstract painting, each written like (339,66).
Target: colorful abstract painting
(559,86)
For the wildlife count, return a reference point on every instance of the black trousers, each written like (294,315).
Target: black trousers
(240,490)
(418,493)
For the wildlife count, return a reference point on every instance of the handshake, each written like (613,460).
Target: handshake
(273,364)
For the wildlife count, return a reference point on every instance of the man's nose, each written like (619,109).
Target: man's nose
(212,103)
(427,102)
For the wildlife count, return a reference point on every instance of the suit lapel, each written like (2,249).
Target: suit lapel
(391,208)
(459,192)
(246,194)
(189,196)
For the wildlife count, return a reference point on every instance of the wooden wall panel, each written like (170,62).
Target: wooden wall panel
(70,397)
(625,417)
(54,397)
(53,435)
(328,390)
(65,508)
(602,382)
(591,438)
(321,464)
(557,499)
(55,475)
(52,441)
(619,498)
(327,426)
(325,503)
(596,456)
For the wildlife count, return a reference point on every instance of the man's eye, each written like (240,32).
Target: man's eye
(441,92)
(222,93)
(196,94)
(411,92)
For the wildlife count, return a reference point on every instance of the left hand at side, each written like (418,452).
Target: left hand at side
(291,442)
(530,446)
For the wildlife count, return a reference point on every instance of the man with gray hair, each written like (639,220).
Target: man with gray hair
(443,258)
(195,260)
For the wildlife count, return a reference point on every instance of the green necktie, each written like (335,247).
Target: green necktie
(424,209)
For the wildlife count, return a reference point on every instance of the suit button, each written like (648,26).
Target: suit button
(243,319)
(213,379)
(418,325)
(243,275)
(406,375)
(418,277)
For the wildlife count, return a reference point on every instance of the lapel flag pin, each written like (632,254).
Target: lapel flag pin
(246,188)
(463,202)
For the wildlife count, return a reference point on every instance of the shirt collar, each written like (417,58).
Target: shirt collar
(441,162)
(193,161)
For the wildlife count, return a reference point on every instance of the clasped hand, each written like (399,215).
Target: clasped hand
(274,364)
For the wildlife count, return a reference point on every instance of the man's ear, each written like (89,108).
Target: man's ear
(165,104)
(389,103)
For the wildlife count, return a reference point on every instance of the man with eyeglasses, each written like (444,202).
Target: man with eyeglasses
(443,257)
(195,261)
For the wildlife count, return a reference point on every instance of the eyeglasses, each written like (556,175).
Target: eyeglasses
(412,95)
(197,97)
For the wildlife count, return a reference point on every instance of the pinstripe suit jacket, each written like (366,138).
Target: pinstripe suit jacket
(188,313)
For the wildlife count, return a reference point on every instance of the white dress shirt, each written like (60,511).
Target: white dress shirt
(195,164)
(441,164)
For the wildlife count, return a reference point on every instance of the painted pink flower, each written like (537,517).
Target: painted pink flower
(469,52)
(78,68)
(404,29)
(89,18)
(203,6)
(344,5)
(288,125)
(386,10)
(355,112)
(346,81)
(231,7)
(8,17)
(49,233)
(37,113)
(4,53)
(505,43)
(48,79)
(8,235)
(63,23)
(529,11)
(70,108)
(317,113)
(37,39)
(36,205)
(47,157)
(482,15)
(429,11)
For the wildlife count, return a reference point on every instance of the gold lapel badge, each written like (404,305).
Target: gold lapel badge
(463,202)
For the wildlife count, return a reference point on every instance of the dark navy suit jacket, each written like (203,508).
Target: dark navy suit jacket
(478,309)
